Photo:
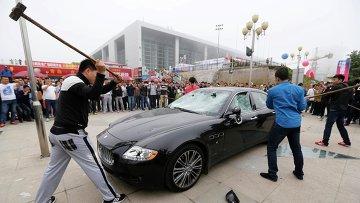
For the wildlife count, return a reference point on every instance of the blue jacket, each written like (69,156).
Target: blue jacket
(288,101)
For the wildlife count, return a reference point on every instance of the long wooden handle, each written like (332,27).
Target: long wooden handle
(354,107)
(331,92)
(65,42)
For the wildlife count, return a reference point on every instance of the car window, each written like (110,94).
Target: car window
(259,99)
(242,101)
(203,101)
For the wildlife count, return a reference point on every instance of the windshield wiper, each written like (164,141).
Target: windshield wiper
(186,110)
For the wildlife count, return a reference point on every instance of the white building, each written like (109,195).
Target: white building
(145,45)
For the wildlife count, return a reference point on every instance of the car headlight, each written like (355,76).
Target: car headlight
(137,153)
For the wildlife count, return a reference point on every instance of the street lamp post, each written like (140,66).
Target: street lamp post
(44,147)
(251,29)
(219,27)
(299,57)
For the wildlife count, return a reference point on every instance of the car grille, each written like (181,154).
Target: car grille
(105,154)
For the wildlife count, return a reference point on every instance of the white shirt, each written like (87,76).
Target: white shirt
(7,92)
(311,93)
(123,88)
(49,93)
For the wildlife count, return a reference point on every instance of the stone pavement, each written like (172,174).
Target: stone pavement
(326,179)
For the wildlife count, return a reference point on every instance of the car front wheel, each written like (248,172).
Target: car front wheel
(184,168)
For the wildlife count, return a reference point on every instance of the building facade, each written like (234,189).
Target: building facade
(145,45)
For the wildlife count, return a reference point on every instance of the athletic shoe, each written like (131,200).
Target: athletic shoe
(269,177)
(298,176)
(321,143)
(2,125)
(13,122)
(344,144)
(118,199)
(52,199)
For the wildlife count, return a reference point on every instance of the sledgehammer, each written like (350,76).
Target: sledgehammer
(18,11)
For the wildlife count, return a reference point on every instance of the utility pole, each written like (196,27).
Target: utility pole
(40,126)
(219,27)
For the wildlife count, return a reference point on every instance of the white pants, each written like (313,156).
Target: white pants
(107,101)
(63,148)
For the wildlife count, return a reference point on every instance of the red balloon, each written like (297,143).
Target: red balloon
(305,63)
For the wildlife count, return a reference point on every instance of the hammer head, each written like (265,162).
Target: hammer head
(17,11)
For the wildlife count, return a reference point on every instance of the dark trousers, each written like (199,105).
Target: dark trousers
(353,114)
(125,101)
(338,117)
(157,101)
(50,104)
(171,100)
(276,135)
(153,101)
(310,105)
(5,107)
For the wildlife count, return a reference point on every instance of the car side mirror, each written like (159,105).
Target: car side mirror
(235,114)
(236,111)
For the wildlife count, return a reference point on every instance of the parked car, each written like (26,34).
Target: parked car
(173,146)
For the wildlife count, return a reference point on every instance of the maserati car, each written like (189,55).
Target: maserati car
(173,146)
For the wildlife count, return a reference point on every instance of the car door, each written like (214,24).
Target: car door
(238,135)
(265,116)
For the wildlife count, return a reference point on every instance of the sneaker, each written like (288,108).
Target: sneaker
(52,199)
(13,122)
(344,144)
(321,143)
(269,177)
(2,125)
(298,175)
(118,199)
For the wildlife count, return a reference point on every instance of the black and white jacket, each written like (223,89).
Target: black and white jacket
(73,103)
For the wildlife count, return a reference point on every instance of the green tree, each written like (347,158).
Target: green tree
(355,65)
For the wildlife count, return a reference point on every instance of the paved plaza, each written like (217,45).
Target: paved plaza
(327,179)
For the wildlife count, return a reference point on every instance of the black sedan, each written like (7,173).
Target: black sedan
(173,146)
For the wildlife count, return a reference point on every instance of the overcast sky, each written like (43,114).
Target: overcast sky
(331,25)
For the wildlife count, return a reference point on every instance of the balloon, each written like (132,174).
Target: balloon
(305,63)
(285,56)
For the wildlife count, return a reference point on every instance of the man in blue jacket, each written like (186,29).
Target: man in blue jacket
(288,101)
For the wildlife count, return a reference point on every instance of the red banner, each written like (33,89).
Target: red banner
(61,71)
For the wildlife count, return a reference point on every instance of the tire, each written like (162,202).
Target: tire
(183,179)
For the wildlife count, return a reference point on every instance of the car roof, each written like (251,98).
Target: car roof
(235,89)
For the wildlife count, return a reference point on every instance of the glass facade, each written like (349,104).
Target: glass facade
(193,51)
(106,53)
(120,50)
(158,49)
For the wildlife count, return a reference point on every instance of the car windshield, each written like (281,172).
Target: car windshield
(202,101)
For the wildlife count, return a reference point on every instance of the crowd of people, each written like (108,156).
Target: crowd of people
(320,105)
(130,96)
(16,102)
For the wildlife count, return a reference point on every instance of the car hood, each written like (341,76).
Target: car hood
(144,125)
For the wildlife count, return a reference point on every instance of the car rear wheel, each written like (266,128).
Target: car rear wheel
(184,168)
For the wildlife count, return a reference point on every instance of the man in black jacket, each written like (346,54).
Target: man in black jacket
(338,104)
(68,137)
(354,113)
(118,94)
